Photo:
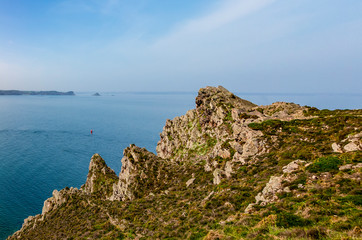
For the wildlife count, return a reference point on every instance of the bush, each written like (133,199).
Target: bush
(287,220)
(355,199)
(325,164)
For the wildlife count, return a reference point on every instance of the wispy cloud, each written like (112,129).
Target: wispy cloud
(224,13)
(89,6)
(228,12)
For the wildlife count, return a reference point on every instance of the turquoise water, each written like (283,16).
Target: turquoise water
(45,141)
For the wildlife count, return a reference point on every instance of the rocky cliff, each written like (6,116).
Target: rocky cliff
(228,169)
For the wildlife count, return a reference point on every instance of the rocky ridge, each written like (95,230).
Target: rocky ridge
(228,169)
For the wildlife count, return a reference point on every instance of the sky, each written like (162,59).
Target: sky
(257,46)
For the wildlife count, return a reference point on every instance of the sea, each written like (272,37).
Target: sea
(46,141)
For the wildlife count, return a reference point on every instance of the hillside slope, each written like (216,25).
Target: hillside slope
(228,169)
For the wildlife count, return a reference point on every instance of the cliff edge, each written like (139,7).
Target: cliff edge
(228,169)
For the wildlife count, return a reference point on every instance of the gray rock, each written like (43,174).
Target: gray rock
(352,146)
(250,208)
(268,194)
(345,167)
(190,181)
(336,148)
(99,169)
(217,176)
(136,163)
(293,166)
(357,166)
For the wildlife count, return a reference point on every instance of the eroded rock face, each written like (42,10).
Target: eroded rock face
(58,198)
(217,128)
(213,105)
(140,169)
(212,144)
(100,177)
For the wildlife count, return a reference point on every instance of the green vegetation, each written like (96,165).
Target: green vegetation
(321,201)
(325,164)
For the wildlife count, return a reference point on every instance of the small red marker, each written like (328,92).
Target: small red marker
(91,131)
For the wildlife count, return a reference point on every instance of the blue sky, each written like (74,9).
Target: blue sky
(299,46)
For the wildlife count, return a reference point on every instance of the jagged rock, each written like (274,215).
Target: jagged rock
(211,99)
(100,177)
(224,153)
(275,184)
(239,158)
(269,192)
(215,138)
(352,146)
(218,175)
(293,166)
(58,198)
(228,169)
(203,133)
(250,208)
(29,222)
(283,111)
(336,148)
(137,172)
(207,167)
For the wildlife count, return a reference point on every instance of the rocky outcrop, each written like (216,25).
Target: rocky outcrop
(276,185)
(58,198)
(336,148)
(100,178)
(214,104)
(226,141)
(140,169)
(354,143)
(216,131)
(283,111)
(350,144)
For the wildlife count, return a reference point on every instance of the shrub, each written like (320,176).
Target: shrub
(287,220)
(355,199)
(325,164)
(317,233)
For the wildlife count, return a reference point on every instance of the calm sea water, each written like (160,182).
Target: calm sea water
(45,141)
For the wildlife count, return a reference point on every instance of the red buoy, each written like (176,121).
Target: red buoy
(91,131)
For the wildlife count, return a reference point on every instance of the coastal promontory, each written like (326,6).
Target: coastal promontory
(228,169)
(18,92)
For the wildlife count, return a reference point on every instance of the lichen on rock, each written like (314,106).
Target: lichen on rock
(100,178)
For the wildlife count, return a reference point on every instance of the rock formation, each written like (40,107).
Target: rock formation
(228,169)
(140,170)
(100,178)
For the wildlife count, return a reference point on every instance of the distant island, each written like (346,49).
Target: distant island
(96,94)
(17,92)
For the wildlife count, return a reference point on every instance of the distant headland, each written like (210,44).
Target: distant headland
(17,92)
